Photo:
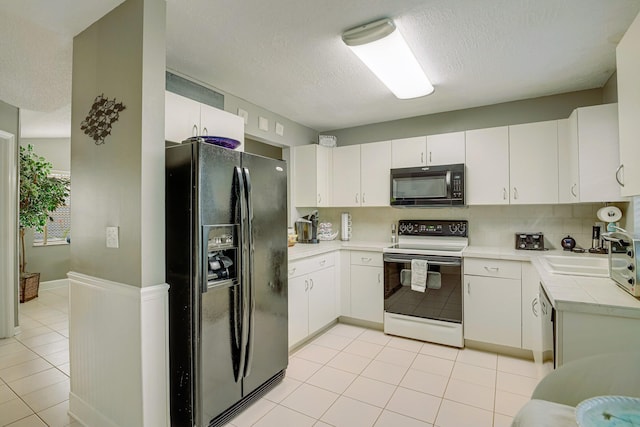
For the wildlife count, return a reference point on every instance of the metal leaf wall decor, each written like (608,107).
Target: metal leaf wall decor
(104,113)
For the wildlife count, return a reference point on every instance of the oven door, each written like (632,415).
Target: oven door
(443,303)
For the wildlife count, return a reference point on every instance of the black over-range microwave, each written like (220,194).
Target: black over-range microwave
(428,186)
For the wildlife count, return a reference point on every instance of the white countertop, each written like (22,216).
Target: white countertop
(303,250)
(596,295)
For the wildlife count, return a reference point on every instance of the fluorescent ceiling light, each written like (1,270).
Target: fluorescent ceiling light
(381,47)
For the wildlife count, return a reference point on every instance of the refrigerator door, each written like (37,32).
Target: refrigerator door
(267,347)
(218,352)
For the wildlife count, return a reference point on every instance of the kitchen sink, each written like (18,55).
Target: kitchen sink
(576,265)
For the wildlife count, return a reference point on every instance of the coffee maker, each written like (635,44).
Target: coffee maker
(307,228)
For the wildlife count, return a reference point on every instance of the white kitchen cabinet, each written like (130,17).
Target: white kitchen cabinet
(487,166)
(185,118)
(346,176)
(580,335)
(361,175)
(409,152)
(367,286)
(312,172)
(492,302)
(531,320)
(312,296)
(588,155)
(298,309)
(442,149)
(533,161)
(628,69)
(375,163)
(446,149)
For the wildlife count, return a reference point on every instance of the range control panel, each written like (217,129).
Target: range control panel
(414,227)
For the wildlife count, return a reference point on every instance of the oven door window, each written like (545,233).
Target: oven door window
(439,303)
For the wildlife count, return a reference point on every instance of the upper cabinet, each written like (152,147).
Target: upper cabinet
(628,66)
(588,155)
(375,163)
(442,149)
(487,166)
(312,171)
(409,152)
(185,118)
(533,163)
(445,149)
(361,174)
(346,176)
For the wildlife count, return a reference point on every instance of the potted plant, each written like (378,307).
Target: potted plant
(40,194)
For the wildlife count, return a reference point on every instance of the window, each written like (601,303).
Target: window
(58,231)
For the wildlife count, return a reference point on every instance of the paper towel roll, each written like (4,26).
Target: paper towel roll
(609,214)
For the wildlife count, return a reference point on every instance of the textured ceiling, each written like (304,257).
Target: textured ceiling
(287,55)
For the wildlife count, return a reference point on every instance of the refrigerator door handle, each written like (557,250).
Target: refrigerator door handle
(242,317)
(251,294)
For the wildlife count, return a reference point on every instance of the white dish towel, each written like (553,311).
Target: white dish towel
(419,269)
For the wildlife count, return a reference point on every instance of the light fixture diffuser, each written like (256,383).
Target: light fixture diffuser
(383,49)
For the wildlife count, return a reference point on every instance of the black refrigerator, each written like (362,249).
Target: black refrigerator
(226,260)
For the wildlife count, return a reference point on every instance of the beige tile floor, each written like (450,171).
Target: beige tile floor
(34,365)
(349,376)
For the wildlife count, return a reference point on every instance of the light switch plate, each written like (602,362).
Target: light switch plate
(279,129)
(112,237)
(263,123)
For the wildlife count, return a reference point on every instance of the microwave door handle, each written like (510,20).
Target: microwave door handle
(431,262)
(448,183)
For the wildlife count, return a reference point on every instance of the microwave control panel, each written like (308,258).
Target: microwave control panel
(457,185)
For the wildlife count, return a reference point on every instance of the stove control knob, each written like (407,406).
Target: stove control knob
(402,228)
(631,281)
(462,227)
(409,228)
(453,228)
(631,267)
(630,254)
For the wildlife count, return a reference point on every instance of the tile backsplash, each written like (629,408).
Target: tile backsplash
(488,225)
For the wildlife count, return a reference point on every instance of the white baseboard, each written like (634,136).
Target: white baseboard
(52,284)
(118,350)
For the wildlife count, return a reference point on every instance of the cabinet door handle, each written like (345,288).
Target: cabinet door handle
(379,279)
(356,197)
(504,193)
(491,268)
(469,288)
(534,306)
(430,157)
(323,262)
(573,190)
(205,131)
(319,198)
(194,131)
(365,259)
(422,157)
(620,169)
(515,193)
(311,280)
(292,271)
(363,201)
(306,285)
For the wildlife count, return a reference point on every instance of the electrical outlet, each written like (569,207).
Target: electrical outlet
(112,237)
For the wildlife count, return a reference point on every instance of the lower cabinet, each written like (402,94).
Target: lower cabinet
(367,288)
(492,302)
(312,296)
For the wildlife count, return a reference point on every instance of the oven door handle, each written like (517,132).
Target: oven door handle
(456,262)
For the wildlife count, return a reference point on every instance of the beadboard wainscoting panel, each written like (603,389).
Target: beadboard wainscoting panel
(118,352)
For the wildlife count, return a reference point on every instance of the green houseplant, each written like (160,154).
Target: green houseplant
(40,194)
